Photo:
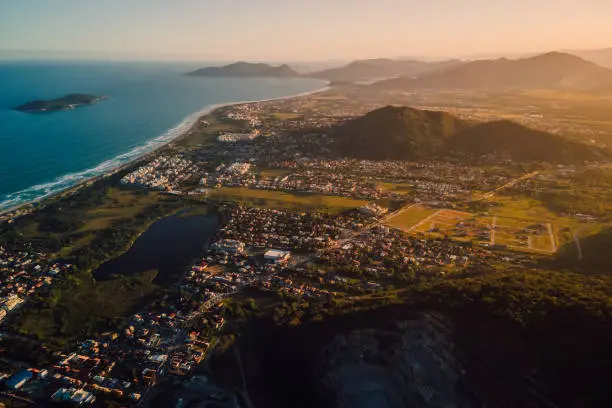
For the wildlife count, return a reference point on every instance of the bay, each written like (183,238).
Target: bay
(149,104)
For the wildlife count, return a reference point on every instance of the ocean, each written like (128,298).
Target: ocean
(149,104)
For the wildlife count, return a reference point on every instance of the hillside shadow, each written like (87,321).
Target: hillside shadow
(593,254)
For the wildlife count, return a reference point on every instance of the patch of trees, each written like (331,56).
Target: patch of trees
(576,202)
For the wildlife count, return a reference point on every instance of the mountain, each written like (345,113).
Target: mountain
(400,133)
(601,57)
(552,70)
(396,133)
(382,68)
(509,139)
(246,69)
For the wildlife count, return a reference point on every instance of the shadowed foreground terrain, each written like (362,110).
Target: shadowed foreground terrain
(399,356)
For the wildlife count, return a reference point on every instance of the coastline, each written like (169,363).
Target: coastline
(132,158)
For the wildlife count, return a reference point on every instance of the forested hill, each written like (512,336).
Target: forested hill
(509,139)
(399,133)
(396,133)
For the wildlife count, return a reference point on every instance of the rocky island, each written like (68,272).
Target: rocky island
(67,102)
(246,69)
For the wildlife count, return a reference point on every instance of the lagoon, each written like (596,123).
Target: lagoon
(168,246)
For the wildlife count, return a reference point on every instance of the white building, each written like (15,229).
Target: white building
(277,255)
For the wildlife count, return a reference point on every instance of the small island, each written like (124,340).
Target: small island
(67,102)
(246,69)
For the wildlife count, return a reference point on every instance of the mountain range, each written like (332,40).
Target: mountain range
(601,57)
(402,133)
(554,70)
(360,70)
(546,71)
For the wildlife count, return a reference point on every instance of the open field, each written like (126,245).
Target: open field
(409,216)
(203,135)
(399,188)
(119,203)
(519,234)
(285,115)
(279,199)
(273,173)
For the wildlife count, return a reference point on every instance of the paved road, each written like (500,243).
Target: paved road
(352,234)
(491,194)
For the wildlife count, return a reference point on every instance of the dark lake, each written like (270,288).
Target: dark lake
(167,246)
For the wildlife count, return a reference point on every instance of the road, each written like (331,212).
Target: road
(577,240)
(493,226)
(492,193)
(553,243)
(352,234)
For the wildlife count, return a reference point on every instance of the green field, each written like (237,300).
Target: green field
(409,217)
(399,188)
(279,199)
(285,115)
(273,173)
(464,226)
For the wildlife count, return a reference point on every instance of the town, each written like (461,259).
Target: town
(404,221)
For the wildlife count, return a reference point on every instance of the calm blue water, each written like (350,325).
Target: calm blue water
(149,104)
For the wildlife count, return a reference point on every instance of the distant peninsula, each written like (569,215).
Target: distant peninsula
(67,102)
(246,69)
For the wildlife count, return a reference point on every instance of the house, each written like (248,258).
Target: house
(277,256)
(18,380)
(79,397)
(231,246)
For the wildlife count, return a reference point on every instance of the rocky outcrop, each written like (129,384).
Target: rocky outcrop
(411,366)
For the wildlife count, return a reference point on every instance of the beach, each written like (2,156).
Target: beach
(130,159)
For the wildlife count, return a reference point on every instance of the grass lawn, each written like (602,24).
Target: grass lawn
(279,199)
(285,115)
(273,173)
(119,204)
(399,188)
(541,242)
(410,217)
(207,135)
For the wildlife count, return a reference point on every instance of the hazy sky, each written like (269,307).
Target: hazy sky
(300,30)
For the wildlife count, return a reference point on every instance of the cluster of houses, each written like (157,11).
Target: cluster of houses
(22,273)
(237,174)
(164,173)
(263,228)
(248,112)
(126,364)
(466,177)
(232,137)
(392,254)
(331,183)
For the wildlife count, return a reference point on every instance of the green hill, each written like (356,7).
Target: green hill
(400,133)
(512,140)
(396,133)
